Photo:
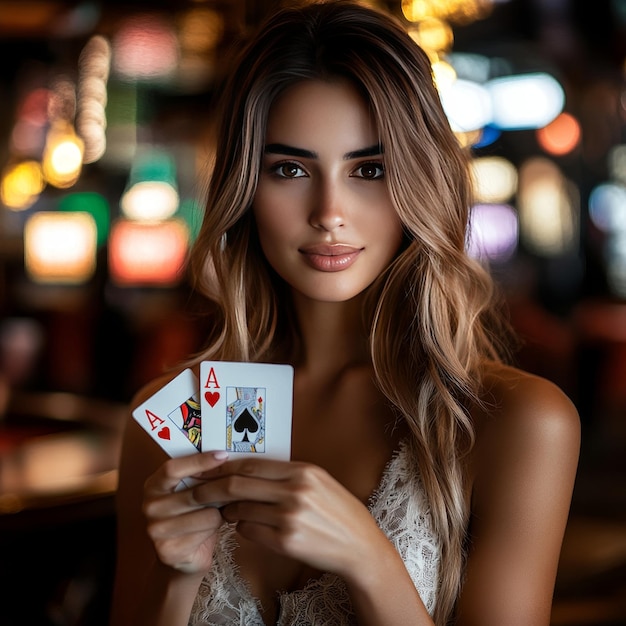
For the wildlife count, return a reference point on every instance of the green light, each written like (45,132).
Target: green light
(93,203)
(191,213)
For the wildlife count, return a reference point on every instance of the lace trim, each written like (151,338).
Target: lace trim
(399,507)
(224,597)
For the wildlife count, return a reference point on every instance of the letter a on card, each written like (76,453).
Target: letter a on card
(172,416)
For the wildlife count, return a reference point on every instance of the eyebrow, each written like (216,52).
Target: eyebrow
(281,148)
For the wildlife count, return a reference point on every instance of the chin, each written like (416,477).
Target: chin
(329,295)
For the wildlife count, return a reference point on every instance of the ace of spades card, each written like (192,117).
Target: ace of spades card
(246,408)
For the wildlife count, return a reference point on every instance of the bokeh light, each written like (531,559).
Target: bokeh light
(525,101)
(493,233)
(144,254)
(59,247)
(560,136)
(607,207)
(63,157)
(433,34)
(617,163)
(94,67)
(152,191)
(548,215)
(145,47)
(93,203)
(467,105)
(21,185)
(459,11)
(495,179)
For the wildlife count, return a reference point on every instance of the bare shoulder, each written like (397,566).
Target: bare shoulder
(523,468)
(523,416)
(519,402)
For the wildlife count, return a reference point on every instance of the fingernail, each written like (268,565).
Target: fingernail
(220,455)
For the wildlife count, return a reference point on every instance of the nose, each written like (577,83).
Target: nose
(328,210)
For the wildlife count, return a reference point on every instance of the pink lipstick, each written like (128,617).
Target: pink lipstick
(330,257)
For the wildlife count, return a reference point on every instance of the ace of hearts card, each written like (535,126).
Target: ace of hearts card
(172,415)
(247,408)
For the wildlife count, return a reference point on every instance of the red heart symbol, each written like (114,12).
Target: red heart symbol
(212,397)
(164,433)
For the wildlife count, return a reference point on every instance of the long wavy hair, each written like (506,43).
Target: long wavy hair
(430,315)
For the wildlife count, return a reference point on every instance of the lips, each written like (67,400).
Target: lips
(330,257)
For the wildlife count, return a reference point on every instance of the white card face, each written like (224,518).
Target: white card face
(172,416)
(247,408)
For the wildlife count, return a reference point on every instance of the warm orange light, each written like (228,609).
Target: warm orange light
(548,208)
(416,10)
(144,254)
(200,30)
(60,247)
(21,185)
(433,34)
(63,156)
(495,179)
(560,136)
(460,11)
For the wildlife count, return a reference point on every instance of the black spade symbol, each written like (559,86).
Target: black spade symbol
(246,422)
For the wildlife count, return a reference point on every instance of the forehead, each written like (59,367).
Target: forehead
(318,111)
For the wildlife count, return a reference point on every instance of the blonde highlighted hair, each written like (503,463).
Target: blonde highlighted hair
(430,316)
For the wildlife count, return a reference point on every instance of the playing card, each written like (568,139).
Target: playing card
(172,415)
(247,408)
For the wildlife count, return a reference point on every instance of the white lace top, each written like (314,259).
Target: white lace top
(401,511)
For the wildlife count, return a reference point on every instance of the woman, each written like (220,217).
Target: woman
(429,481)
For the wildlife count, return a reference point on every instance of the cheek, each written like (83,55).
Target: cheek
(271,228)
(267,226)
(392,227)
(276,215)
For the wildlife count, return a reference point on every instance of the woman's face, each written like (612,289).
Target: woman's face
(324,216)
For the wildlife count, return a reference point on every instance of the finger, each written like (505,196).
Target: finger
(168,476)
(234,487)
(204,520)
(170,504)
(261,480)
(269,469)
(259,512)
(294,543)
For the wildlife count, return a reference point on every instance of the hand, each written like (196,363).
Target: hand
(183,530)
(295,509)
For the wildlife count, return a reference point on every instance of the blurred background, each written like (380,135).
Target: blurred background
(106,112)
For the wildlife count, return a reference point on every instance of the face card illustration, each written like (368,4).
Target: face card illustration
(246,408)
(187,418)
(172,416)
(245,419)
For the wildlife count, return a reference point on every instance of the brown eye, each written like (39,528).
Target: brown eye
(370,171)
(289,170)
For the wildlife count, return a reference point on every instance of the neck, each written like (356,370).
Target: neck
(333,336)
